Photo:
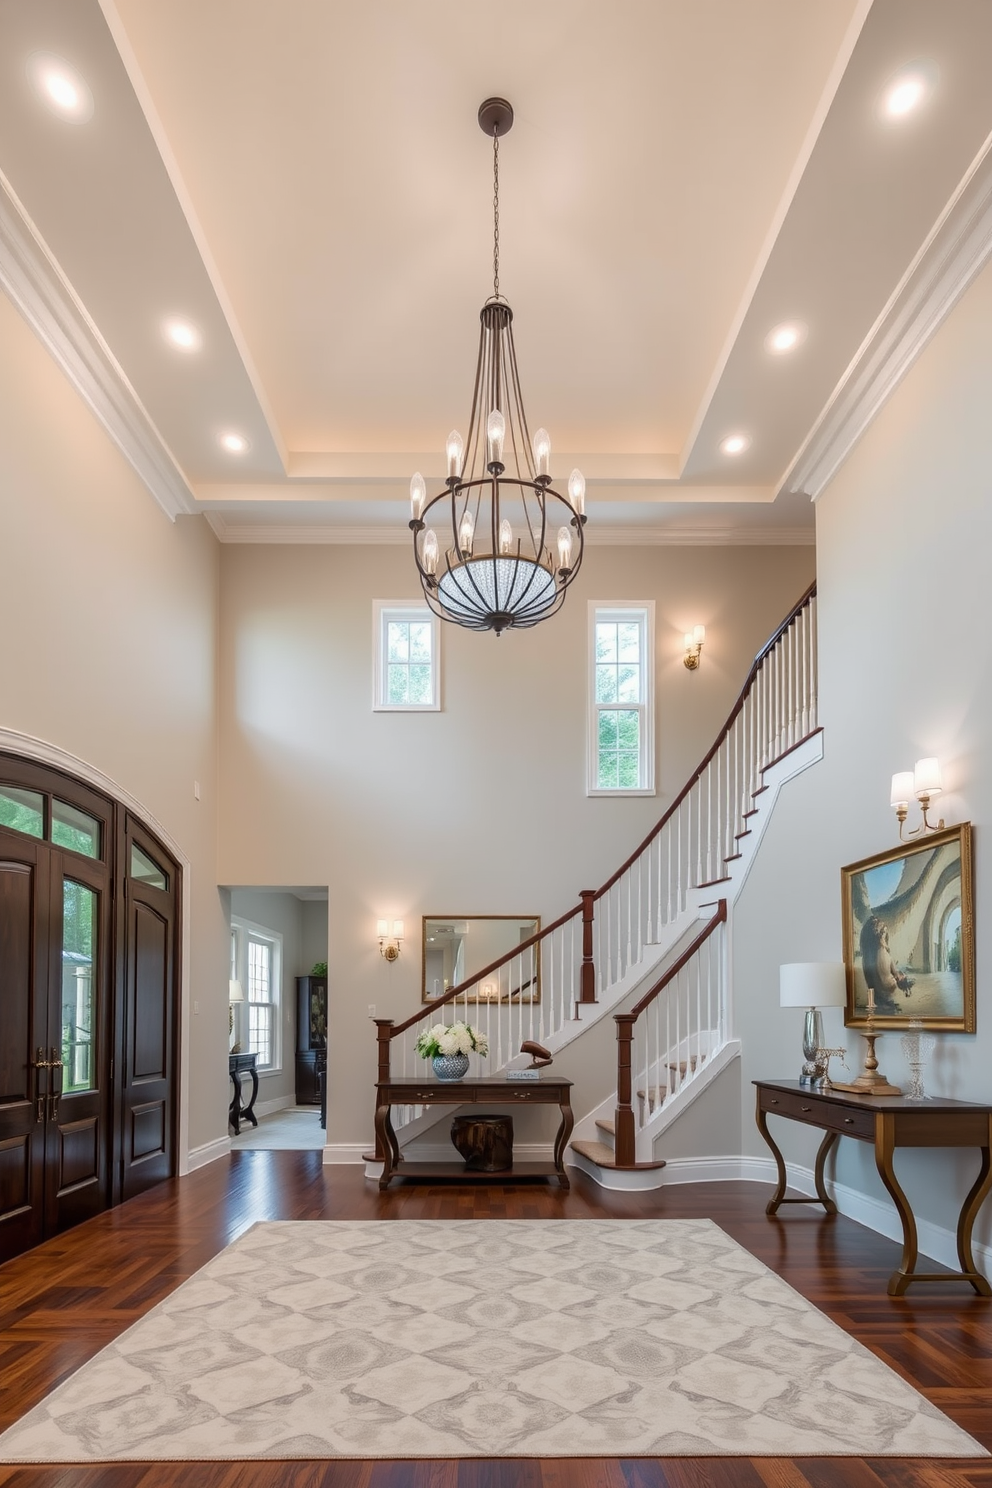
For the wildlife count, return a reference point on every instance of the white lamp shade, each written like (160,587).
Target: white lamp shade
(397,929)
(382,928)
(809,984)
(235,991)
(903,788)
(927,778)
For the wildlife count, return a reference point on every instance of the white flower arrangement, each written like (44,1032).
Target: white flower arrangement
(451,1038)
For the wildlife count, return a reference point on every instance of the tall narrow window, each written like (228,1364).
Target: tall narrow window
(621,699)
(256,962)
(407,675)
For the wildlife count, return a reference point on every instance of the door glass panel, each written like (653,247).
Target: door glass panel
(75,829)
(146,870)
(23,810)
(78,986)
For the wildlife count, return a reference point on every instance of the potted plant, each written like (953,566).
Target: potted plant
(448,1045)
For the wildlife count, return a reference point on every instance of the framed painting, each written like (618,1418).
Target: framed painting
(909,939)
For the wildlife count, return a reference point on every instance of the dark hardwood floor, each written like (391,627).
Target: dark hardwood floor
(64,1301)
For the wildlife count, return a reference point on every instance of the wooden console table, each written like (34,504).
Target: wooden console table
(889,1122)
(481,1091)
(238,1112)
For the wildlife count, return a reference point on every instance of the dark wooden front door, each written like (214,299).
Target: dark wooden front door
(23,1030)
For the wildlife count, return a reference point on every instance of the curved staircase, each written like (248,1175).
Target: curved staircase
(634,947)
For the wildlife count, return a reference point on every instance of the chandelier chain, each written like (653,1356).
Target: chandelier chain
(495,214)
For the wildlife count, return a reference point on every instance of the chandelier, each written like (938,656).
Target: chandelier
(512,544)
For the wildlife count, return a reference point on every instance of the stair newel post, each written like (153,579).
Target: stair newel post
(382,1033)
(624,1141)
(587,984)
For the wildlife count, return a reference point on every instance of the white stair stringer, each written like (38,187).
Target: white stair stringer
(640,975)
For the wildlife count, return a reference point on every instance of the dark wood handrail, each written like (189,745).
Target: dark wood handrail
(624,1130)
(768,647)
(463,987)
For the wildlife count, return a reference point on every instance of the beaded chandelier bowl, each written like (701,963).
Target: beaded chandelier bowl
(513,543)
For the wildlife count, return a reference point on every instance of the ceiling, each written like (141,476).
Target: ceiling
(305,183)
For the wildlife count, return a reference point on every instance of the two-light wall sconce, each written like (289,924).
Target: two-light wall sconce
(694,639)
(923,782)
(389,940)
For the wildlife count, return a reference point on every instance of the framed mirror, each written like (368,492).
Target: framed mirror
(456,947)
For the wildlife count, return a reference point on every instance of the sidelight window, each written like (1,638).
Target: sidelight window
(621,699)
(407,678)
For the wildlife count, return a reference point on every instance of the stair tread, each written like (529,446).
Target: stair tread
(608,1126)
(605,1157)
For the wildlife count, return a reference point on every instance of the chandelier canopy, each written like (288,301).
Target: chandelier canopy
(512,544)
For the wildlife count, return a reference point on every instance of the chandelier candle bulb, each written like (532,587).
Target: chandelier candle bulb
(577,492)
(495,435)
(564,549)
(505,538)
(430,553)
(454,449)
(418,496)
(542,452)
(466,532)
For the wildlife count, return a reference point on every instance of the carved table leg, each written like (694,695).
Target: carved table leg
(821,1158)
(249,1110)
(884,1148)
(777,1196)
(387,1143)
(561,1141)
(234,1113)
(966,1220)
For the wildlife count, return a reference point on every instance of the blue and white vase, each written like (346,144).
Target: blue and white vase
(450,1066)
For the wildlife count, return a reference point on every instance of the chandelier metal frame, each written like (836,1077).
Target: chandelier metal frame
(492,577)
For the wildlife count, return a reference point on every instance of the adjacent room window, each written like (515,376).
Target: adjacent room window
(407,671)
(621,699)
(256,962)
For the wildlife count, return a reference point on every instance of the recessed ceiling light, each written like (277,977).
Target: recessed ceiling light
(235,444)
(908,90)
(786,337)
(735,444)
(60,86)
(183,334)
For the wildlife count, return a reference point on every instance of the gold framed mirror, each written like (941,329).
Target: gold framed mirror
(457,947)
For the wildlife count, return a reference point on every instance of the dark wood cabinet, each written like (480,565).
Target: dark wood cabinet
(311,1037)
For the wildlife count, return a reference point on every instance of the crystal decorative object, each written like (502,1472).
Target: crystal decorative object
(917,1048)
(493,586)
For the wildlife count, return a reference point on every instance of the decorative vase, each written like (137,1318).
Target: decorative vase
(450,1066)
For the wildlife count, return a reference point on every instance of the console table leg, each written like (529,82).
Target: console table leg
(969,1209)
(387,1144)
(884,1148)
(561,1142)
(776,1198)
(821,1158)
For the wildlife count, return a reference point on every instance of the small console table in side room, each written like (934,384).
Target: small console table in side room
(888,1121)
(482,1091)
(237,1064)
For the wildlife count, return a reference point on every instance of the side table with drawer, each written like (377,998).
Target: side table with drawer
(888,1122)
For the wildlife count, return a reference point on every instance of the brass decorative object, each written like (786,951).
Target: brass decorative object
(823,1058)
(870,1082)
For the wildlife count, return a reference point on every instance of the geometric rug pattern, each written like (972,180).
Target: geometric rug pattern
(483,1338)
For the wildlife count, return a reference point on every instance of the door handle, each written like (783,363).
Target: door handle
(55,1064)
(39,1063)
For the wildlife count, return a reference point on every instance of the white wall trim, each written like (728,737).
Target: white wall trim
(954,253)
(208,1153)
(601,536)
(339,1153)
(50,754)
(277,1103)
(38,288)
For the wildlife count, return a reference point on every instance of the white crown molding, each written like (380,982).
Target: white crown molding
(597,536)
(38,288)
(955,251)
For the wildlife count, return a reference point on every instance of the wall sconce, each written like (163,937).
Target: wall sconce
(694,639)
(389,943)
(924,782)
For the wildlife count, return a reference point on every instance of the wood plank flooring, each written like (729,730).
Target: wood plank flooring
(65,1300)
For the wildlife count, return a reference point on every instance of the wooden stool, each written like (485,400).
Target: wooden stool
(485,1142)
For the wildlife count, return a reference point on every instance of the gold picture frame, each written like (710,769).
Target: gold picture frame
(908,919)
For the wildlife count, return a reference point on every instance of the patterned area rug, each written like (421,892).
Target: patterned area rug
(483,1338)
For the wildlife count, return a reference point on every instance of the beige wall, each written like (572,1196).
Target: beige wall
(478,808)
(904,534)
(109,618)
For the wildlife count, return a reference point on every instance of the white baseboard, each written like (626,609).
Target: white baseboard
(277,1103)
(347,1152)
(199,1157)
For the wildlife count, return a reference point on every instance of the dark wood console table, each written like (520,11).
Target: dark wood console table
(480,1091)
(888,1122)
(237,1064)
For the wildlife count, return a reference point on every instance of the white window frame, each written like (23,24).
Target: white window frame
(384,610)
(624,610)
(243,931)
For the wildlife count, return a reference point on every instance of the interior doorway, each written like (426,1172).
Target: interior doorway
(279,1015)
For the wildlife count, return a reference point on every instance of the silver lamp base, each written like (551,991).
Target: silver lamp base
(814,1069)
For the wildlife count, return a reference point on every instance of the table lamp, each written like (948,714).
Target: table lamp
(812,985)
